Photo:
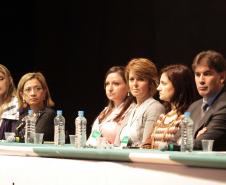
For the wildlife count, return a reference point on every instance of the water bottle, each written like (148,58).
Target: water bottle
(59,129)
(187,133)
(80,130)
(30,127)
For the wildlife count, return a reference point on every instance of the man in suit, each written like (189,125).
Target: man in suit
(209,113)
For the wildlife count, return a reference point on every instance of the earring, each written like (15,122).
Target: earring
(128,94)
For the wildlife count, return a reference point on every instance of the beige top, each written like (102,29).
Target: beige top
(140,122)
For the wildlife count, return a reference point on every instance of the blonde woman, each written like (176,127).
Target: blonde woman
(33,93)
(8,102)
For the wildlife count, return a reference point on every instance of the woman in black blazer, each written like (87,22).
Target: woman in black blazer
(33,93)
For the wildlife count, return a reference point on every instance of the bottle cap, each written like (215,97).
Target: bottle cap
(30,112)
(81,113)
(187,114)
(59,112)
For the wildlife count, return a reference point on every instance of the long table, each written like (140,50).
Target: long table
(23,164)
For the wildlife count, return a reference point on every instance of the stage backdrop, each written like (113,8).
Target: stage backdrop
(74,42)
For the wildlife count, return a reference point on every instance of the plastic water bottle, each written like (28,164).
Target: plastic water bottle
(187,133)
(59,129)
(80,130)
(30,120)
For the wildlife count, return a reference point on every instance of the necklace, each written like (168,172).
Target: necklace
(169,119)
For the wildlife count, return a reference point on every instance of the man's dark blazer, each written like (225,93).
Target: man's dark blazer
(214,119)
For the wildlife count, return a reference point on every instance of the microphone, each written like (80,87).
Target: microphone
(21,125)
(169,147)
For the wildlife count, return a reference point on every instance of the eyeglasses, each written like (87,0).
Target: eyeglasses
(35,89)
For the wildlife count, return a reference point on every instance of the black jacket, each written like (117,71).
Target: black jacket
(44,124)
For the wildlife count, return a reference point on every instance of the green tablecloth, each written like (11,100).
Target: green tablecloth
(201,159)
(196,158)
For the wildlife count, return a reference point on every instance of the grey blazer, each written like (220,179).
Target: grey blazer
(214,119)
(142,127)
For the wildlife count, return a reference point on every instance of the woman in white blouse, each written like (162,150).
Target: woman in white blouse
(109,121)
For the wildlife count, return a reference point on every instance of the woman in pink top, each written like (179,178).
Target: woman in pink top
(111,118)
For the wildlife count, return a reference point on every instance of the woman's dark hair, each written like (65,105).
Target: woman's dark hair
(128,99)
(184,86)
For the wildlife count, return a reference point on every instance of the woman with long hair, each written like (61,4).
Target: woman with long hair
(8,102)
(177,90)
(109,121)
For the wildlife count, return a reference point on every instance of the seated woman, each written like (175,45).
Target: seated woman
(110,119)
(142,77)
(9,113)
(33,93)
(177,90)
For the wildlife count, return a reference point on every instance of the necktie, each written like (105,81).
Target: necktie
(204,108)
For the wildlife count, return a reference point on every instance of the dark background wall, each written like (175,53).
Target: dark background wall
(73,43)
